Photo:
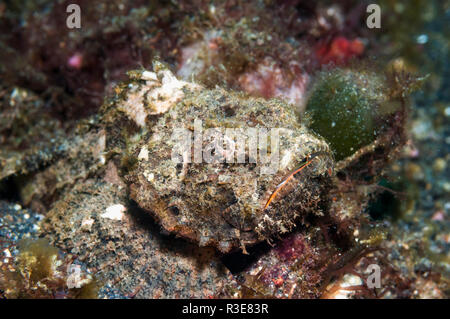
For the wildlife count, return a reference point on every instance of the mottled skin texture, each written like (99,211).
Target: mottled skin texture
(222,204)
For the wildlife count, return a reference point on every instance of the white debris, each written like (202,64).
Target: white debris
(162,91)
(87,223)
(143,154)
(285,160)
(349,280)
(149,76)
(115,212)
(149,176)
(134,107)
(7,253)
(99,152)
(224,179)
(168,94)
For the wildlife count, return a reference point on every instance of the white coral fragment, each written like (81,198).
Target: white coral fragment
(115,212)
(161,91)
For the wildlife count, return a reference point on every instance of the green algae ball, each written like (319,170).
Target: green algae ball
(344,106)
